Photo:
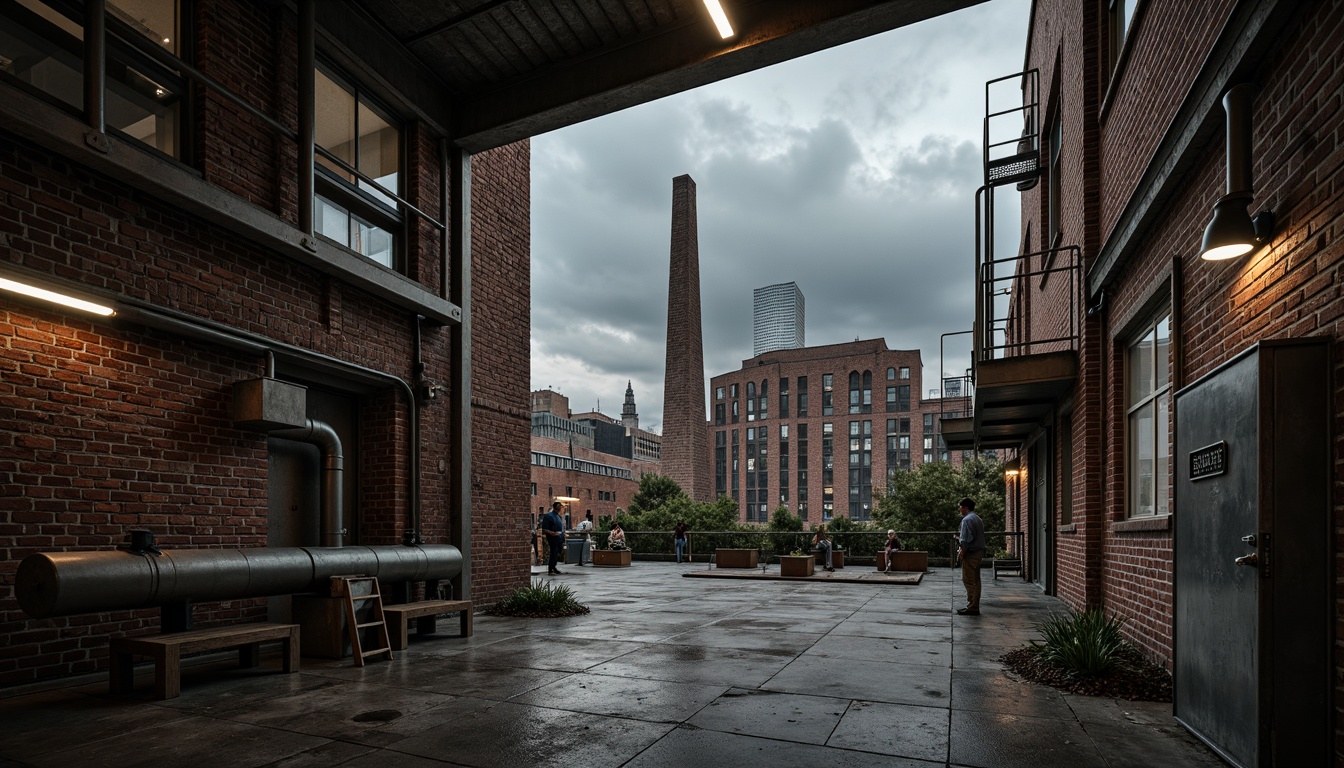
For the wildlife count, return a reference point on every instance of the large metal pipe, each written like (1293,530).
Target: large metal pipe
(323,435)
(65,583)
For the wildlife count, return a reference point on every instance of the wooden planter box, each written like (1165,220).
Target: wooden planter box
(796,565)
(612,557)
(736,558)
(837,559)
(904,561)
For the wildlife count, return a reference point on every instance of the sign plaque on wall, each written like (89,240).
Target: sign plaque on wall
(1209,461)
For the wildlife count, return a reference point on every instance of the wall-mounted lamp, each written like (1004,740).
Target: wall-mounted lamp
(1012,468)
(720,18)
(1232,232)
(31,290)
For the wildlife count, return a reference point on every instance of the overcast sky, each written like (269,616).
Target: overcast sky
(851,172)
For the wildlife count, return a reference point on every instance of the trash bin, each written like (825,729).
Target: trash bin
(577,551)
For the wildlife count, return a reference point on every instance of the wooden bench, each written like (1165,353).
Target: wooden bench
(167,651)
(837,558)
(425,611)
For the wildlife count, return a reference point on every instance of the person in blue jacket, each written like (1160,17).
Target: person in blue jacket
(554,527)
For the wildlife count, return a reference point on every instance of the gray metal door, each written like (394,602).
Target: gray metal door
(1217,629)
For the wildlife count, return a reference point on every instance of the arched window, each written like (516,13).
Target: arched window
(854,396)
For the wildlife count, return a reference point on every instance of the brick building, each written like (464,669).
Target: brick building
(588,456)
(816,430)
(1174,416)
(327,195)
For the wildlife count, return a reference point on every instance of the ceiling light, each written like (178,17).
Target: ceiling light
(720,18)
(55,298)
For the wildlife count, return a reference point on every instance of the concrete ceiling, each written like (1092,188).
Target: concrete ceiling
(517,68)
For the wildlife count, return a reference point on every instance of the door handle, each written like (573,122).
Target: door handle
(1252,560)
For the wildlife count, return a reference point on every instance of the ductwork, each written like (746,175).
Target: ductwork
(328,443)
(66,583)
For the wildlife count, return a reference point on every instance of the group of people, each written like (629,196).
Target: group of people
(970,546)
(552,529)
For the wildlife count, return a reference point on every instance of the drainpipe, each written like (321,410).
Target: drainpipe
(200,329)
(322,435)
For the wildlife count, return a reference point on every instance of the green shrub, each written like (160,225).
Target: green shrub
(1086,644)
(540,599)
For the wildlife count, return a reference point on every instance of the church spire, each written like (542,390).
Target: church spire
(629,416)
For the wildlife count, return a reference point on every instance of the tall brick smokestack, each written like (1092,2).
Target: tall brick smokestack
(685,441)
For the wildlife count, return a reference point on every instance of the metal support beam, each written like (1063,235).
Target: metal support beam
(95,65)
(459,442)
(307,118)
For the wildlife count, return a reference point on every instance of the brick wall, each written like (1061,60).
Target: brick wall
(590,488)
(106,425)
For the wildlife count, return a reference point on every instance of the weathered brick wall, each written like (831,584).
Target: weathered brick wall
(1166,47)
(500,370)
(105,425)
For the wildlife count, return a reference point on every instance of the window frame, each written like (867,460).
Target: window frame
(1159,397)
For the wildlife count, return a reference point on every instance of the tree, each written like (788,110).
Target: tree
(654,491)
(925,498)
(784,520)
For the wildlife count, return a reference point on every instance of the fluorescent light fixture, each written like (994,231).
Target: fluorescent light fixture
(720,18)
(55,298)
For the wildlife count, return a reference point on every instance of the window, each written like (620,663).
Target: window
(732,390)
(41,49)
(718,393)
(1147,396)
(905,372)
(762,406)
(1119,20)
(357,134)
(891,374)
(827,405)
(802,396)
(1054,227)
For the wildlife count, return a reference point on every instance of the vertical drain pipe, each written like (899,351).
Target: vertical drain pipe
(322,435)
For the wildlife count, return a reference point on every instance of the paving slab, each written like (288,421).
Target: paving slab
(996,740)
(651,700)
(900,730)
(773,715)
(892,682)
(694,747)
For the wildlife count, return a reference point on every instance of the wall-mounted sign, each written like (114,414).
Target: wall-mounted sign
(1208,461)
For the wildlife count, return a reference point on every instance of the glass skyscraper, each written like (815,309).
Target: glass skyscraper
(777,318)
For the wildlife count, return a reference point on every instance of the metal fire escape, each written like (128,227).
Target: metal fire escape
(1025,332)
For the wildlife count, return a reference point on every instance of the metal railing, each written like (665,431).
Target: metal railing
(1010,297)
(860,547)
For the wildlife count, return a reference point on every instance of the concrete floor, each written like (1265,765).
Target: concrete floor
(665,671)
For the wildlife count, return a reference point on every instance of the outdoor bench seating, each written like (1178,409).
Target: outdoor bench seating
(396,617)
(167,651)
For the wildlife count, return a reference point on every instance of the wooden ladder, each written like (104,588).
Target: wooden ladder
(364,589)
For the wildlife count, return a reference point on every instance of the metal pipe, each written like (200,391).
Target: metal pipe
(459,430)
(95,65)
(1237,104)
(65,583)
(323,435)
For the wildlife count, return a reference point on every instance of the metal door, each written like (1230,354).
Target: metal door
(1217,627)
(1040,515)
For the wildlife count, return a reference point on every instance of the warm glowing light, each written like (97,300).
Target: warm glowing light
(1011,472)
(55,298)
(1223,252)
(720,18)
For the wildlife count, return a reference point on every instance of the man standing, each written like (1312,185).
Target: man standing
(554,528)
(970,549)
(679,539)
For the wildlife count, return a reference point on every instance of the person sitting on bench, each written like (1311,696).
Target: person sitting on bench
(893,545)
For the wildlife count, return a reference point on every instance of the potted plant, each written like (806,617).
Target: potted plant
(797,564)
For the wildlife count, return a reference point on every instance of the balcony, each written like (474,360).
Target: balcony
(1024,357)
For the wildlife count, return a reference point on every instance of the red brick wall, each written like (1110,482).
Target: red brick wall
(500,370)
(105,425)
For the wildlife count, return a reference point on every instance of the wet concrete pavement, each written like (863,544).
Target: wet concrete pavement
(665,671)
